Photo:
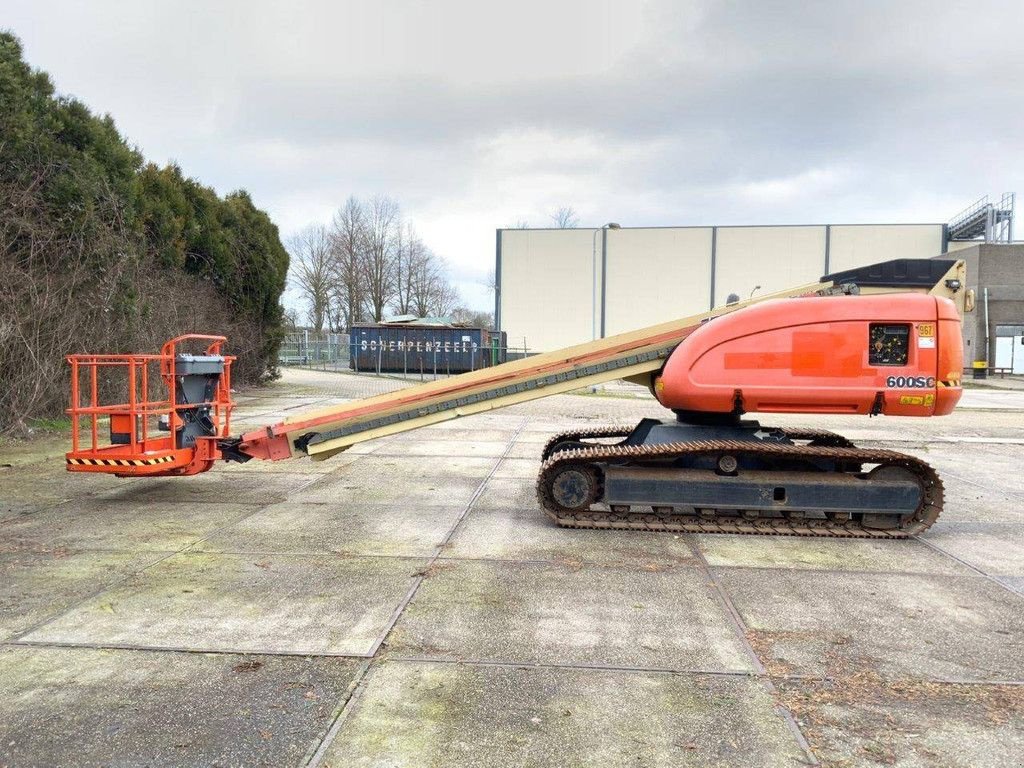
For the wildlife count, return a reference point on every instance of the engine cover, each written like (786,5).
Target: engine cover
(898,354)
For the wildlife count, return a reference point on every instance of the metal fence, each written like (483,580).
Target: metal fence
(331,352)
(312,349)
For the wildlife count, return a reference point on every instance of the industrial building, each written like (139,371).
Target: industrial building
(996,273)
(556,287)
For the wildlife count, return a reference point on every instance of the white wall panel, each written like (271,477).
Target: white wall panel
(855,246)
(655,275)
(658,274)
(772,257)
(546,286)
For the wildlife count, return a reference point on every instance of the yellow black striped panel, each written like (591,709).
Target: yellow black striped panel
(119,462)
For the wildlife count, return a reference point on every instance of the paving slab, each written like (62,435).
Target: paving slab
(526,534)
(524,469)
(542,428)
(971,422)
(961,628)
(483,716)
(536,439)
(86,707)
(36,486)
(1001,487)
(824,554)
(273,396)
(438,469)
(1016,583)
(526,450)
(460,431)
(506,493)
(571,410)
(38,586)
(257,418)
(994,548)
(266,603)
(491,449)
(213,486)
(366,448)
(885,433)
(1002,400)
(515,612)
(354,529)
(296,573)
(996,467)
(968,502)
(504,422)
(982,439)
(865,720)
(297,465)
(350,488)
(155,526)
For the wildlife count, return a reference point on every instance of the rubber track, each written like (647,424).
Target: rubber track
(583,434)
(819,436)
(926,514)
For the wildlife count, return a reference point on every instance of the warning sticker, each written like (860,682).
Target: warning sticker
(925,400)
(926,342)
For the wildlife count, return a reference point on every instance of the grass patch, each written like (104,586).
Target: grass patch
(58,424)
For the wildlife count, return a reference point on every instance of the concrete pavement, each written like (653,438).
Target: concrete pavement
(405,604)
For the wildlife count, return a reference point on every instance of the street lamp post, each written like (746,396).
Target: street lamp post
(593,272)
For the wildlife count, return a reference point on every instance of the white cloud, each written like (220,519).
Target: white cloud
(476,116)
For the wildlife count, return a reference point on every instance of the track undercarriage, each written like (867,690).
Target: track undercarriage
(736,477)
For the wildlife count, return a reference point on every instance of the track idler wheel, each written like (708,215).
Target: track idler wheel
(575,486)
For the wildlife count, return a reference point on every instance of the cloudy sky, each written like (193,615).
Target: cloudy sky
(477,115)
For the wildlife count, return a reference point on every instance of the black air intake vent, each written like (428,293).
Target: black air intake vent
(909,273)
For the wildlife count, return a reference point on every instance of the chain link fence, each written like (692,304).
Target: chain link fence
(319,350)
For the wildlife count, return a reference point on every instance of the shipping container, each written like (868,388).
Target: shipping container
(423,349)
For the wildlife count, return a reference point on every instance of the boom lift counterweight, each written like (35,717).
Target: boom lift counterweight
(833,347)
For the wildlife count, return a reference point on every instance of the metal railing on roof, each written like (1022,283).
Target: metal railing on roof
(983,219)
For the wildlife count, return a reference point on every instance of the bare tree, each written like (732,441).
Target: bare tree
(445,299)
(444,296)
(424,285)
(490,281)
(291,319)
(411,258)
(521,224)
(348,239)
(378,262)
(312,268)
(383,223)
(472,318)
(565,218)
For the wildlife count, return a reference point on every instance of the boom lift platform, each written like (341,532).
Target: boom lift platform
(835,346)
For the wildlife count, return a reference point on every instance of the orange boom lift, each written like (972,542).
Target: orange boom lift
(883,339)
